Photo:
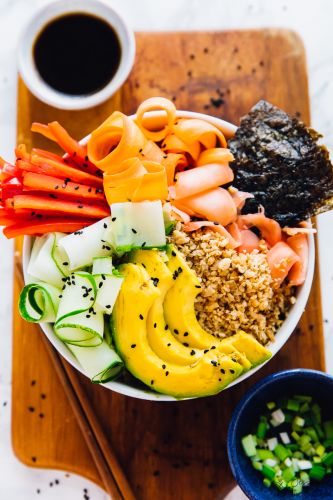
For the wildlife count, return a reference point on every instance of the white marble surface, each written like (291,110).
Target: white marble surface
(312,20)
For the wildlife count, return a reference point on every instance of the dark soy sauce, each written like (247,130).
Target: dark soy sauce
(77,54)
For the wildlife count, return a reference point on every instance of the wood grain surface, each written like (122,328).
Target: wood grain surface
(178,449)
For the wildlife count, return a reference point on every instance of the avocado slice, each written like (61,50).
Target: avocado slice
(208,376)
(178,304)
(160,338)
(255,352)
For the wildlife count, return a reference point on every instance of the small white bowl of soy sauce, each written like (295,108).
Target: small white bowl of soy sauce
(76,54)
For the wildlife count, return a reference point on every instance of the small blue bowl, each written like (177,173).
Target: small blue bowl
(287,383)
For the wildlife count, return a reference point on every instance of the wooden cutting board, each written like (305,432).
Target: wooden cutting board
(178,449)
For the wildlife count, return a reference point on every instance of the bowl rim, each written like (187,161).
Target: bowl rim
(241,405)
(281,336)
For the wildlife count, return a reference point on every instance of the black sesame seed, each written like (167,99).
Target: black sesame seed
(133,346)
(166,327)
(173,253)
(151,382)
(41,415)
(206,50)
(140,316)
(213,362)
(108,306)
(155,325)
(105,225)
(164,367)
(103,278)
(60,296)
(43,396)
(197,286)
(80,206)
(213,347)
(144,244)
(38,491)
(176,331)
(205,351)
(56,481)
(140,150)
(114,219)
(186,334)
(222,370)
(88,316)
(89,190)
(166,373)
(34,459)
(76,188)
(65,263)
(192,352)
(169,344)
(31,409)
(232,371)
(134,230)
(185,344)
(51,195)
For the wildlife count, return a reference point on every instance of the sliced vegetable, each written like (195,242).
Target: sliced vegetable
(137,225)
(39,302)
(100,363)
(45,204)
(82,246)
(108,284)
(77,322)
(35,227)
(41,182)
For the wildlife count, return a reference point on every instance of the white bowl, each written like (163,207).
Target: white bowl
(281,336)
(57,9)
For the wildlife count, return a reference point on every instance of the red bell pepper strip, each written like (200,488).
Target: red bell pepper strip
(64,225)
(86,166)
(57,169)
(11,188)
(40,182)
(50,205)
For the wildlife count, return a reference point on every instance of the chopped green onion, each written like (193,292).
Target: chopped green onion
(304,399)
(296,486)
(257,465)
(317,472)
(299,421)
(284,437)
(316,413)
(288,474)
(328,459)
(262,429)
(267,482)
(304,464)
(304,408)
(270,405)
(280,483)
(272,442)
(320,450)
(293,405)
(295,436)
(281,452)
(304,476)
(265,454)
(268,472)
(278,416)
(249,445)
(328,429)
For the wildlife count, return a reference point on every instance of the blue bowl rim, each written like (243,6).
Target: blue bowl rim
(231,448)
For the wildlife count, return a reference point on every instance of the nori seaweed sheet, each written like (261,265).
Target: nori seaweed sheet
(279,161)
